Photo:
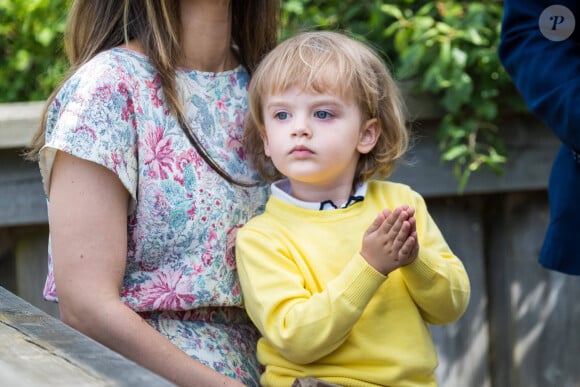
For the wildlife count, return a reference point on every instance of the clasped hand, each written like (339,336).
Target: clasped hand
(391,240)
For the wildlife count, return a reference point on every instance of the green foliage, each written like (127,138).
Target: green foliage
(31,53)
(447,49)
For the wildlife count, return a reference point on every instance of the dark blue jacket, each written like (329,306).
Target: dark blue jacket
(540,51)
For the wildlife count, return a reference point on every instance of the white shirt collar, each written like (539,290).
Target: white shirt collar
(282,190)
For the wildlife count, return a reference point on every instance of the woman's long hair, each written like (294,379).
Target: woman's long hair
(96,26)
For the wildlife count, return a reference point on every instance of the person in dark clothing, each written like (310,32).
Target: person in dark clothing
(539,50)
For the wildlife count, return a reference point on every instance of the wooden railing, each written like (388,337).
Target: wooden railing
(38,350)
(22,201)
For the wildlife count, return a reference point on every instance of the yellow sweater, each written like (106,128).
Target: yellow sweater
(325,312)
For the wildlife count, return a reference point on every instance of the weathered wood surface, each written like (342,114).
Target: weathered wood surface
(22,199)
(18,122)
(531,149)
(31,265)
(521,327)
(534,313)
(463,347)
(39,350)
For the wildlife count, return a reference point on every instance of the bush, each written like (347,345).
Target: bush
(447,49)
(32,60)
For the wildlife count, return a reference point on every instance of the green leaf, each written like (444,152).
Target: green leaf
(459,57)
(487,110)
(293,6)
(458,93)
(46,36)
(22,60)
(392,10)
(455,152)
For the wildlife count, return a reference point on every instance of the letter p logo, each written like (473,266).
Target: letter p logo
(556,20)
(557,23)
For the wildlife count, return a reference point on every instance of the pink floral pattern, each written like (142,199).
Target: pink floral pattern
(182,229)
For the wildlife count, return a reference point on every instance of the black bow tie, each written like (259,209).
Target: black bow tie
(351,200)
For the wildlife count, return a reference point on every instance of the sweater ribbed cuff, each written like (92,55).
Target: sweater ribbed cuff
(362,281)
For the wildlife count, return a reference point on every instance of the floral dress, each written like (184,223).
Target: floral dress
(180,271)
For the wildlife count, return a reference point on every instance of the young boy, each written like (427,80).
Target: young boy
(341,273)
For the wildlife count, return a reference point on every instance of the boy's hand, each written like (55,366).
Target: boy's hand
(391,240)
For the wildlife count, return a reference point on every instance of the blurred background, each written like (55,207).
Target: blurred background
(479,158)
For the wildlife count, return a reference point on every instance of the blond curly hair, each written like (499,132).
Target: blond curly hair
(322,62)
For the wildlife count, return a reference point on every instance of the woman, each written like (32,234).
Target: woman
(147,182)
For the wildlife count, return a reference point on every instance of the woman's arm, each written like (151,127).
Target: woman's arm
(88,226)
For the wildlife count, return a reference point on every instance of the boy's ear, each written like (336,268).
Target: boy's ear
(369,136)
(266,145)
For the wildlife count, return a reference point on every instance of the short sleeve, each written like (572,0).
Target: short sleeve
(93,117)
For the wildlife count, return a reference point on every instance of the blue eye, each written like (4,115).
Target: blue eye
(323,115)
(281,115)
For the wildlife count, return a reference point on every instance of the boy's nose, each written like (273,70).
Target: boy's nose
(301,129)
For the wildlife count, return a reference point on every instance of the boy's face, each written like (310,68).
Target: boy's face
(316,138)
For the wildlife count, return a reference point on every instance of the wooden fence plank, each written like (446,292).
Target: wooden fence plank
(31,266)
(463,347)
(534,312)
(22,199)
